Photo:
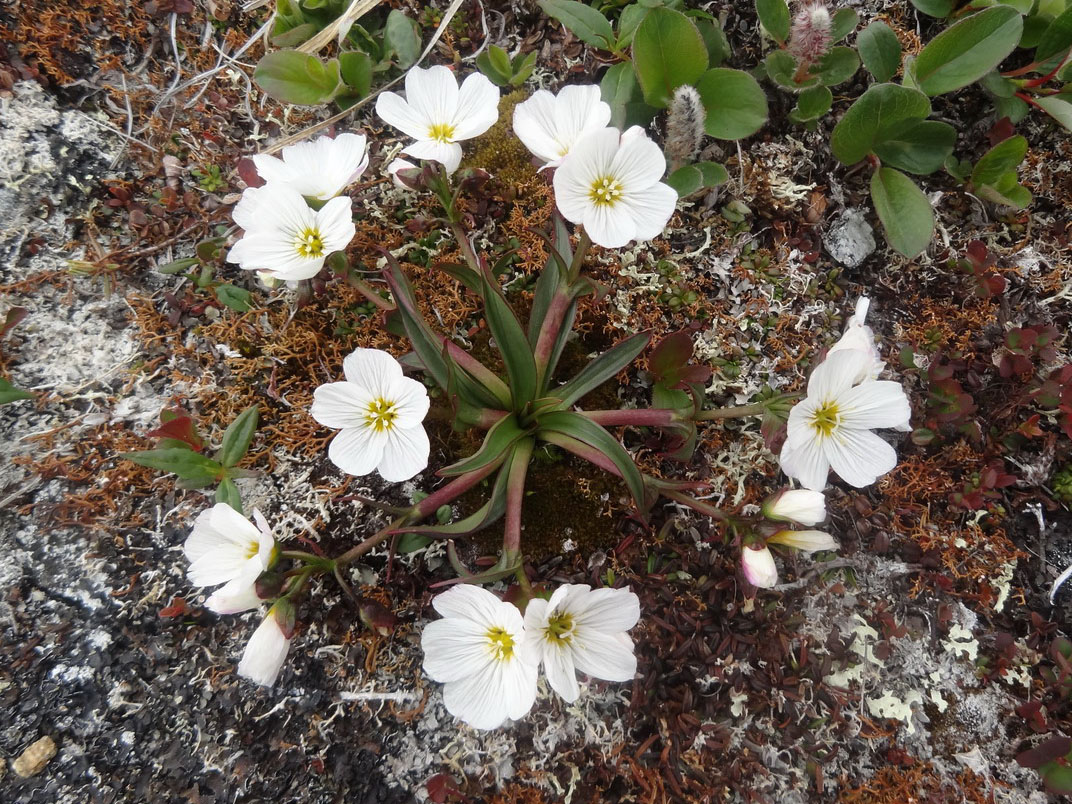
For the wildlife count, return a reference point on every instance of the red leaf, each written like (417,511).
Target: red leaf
(176,608)
(177,426)
(247,171)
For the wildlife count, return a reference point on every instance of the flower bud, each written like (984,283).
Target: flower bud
(810,38)
(269,584)
(405,174)
(757,565)
(801,506)
(267,648)
(808,541)
(377,618)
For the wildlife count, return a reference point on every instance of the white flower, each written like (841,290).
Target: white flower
(319,169)
(807,541)
(582,629)
(802,506)
(267,649)
(284,236)
(226,548)
(380,414)
(758,567)
(475,652)
(831,427)
(438,114)
(860,336)
(610,184)
(549,125)
(397,165)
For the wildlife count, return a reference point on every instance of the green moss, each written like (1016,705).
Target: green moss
(499,151)
(1062,484)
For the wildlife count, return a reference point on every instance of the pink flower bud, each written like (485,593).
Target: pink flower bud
(809,38)
(758,567)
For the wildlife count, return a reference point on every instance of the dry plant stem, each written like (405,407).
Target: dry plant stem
(697,505)
(740,411)
(647,417)
(515,495)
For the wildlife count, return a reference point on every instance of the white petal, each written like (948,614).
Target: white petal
(433,95)
(247,211)
(607,610)
(589,159)
(336,224)
(807,541)
(560,672)
(271,169)
(320,168)
(606,656)
(651,209)
(220,544)
(357,450)
(485,700)
(859,456)
(405,453)
(478,107)
(470,602)
(758,567)
(610,226)
(639,163)
(803,506)
(448,154)
(536,124)
(806,463)
(265,653)
(239,594)
(410,399)
(872,404)
(373,370)
(394,111)
(454,649)
(836,374)
(341,404)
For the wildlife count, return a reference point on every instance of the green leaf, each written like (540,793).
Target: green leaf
(233,297)
(630,19)
(921,149)
(838,66)
(1059,107)
(602,369)
(718,46)
(775,17)
(843,23)
(812,104)
(967,51)
(904,210)
(1006,190)
(668,51)
(577,426)
(735,103)
(356,68)
(401,38)
(523,65)
(1055,41)
(585,22)
(1013,108)
(227,492)
(781,68)
(9,393)
(238,436)
(935,8)
(298,78)
(500,437)
(182,461)
(178,266)
(512,344)
(411,543)
(1004,157)
(486,515)
(880,50)
(426,345)
(295,36)
(698,176)
(617,89)
(882,112)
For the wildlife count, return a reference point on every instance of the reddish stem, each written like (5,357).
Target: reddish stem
(515,496)
(647,417)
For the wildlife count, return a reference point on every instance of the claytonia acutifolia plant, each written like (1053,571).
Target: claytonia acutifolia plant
(475,652)
(801,506)
(284,236)
(318,170)
(832,427)
(757,562)
(267,649)
(582,629)
(226,548)
(379,412)
(549,125)
(438,114)
(610,184)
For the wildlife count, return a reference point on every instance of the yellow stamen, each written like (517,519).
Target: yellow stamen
(441,132)
(309,244)
(559,629)
(825,418)
(500,643)
(605,191)
(381,415)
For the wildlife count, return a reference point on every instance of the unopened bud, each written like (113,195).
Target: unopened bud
(268,585)
(810,38)
(684,126)
(377,618)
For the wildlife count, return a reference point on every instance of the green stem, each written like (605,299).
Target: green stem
(515,495)
(299,582)
(526,587)
(697,505)
(740,411)
(366,290)
(584,242)
(646,417)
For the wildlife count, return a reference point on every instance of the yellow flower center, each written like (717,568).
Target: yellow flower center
(252,549)
(309,244)
(381,415)
(559,629)
(500,644)
(825,418)
(441,132)
(605,191)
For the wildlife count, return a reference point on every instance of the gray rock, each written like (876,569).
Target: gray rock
(850,240)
